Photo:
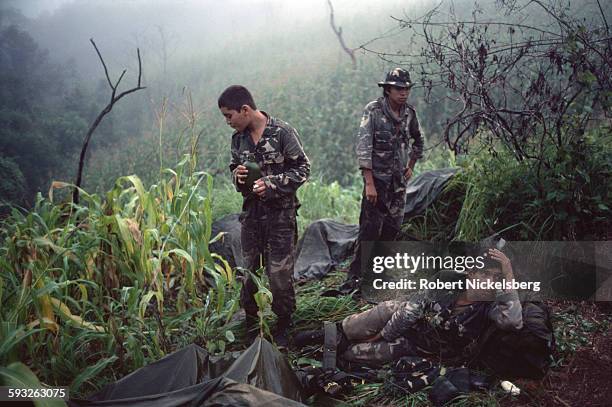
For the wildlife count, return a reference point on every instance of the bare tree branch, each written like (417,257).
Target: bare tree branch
(338,31)
(103,63)
(106,110)
(603,17)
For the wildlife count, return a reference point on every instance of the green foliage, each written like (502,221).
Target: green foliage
(102,288)
(566,200)
(438,222)
(39,133)
(226,200)
(527,200)
(263,299)
(12,182)
(573,331)
(326,110)
(19,376)
(45,115)
(312,308)
(320,200)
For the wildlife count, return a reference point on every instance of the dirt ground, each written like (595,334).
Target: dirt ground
(585,379)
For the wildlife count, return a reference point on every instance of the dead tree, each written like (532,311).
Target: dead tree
(338,31)
(107,109)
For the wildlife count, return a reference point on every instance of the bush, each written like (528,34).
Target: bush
(527,200)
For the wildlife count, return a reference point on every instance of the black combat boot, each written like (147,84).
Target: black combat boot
(251,328)
(281,332)
(308,338)
(317,337)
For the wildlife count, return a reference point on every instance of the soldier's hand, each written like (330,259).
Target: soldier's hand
(259,187)
(503,260)
(371,194)
(408,173)
(241,173)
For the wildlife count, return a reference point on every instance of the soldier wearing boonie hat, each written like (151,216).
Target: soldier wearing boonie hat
(388,145)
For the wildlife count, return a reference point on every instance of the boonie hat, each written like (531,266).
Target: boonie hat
(398,77)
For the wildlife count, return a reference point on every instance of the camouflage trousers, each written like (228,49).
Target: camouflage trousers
(271,238)
(362,326)
(379,222)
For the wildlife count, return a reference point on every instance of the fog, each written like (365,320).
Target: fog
(179,30)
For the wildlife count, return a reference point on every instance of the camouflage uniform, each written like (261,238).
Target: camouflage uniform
(427,327)
(383,147)
(269,222)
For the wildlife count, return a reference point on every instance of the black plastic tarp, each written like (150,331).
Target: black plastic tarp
(326,242)
(424,189)
(215,392)
(228,246)
(259,376)
(263,366)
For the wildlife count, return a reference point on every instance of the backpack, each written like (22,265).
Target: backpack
(525,353)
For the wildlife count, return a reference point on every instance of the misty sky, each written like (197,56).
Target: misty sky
(34,8)
(210,34)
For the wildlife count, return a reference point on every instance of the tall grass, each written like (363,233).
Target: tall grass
(101,288)
(320,200)
(565,198)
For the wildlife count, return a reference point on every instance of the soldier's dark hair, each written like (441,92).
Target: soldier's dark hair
(236,96)
(489,263)
(385,89)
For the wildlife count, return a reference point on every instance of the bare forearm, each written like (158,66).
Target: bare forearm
(367,176)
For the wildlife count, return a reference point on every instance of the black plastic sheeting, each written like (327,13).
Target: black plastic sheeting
(263,366)
(259,376)
(424,189)
(326,243)
(228,246)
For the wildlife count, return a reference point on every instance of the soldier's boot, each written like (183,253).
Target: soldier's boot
(308,338)
(317,337)
(281,332)
(251,328)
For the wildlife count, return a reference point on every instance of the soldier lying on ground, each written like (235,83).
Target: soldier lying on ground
(444,325)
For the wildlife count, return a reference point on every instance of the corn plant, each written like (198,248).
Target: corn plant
(103,287)
(263,299)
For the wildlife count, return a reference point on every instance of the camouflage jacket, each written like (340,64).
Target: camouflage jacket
(432,325)
(383,140)
(279,154)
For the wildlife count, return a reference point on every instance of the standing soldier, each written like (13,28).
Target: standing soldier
(268,165)
(386,160)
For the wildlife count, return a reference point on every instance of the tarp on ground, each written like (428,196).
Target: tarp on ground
(326,243)
(259,376)
(424,189)
(263,366)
